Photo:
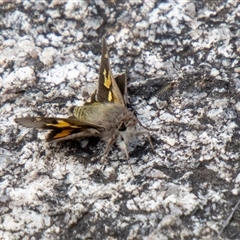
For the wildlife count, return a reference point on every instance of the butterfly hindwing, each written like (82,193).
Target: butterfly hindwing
(58,135)
(121,80)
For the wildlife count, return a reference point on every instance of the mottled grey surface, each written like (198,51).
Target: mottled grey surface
(49,61)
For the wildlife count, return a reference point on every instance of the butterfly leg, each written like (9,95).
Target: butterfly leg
(124,147)
(104,158)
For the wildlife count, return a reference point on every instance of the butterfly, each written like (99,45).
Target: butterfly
(105,116)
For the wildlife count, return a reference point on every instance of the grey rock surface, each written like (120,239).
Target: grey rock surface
(49,61)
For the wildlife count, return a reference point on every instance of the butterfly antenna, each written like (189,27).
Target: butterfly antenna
(149,129)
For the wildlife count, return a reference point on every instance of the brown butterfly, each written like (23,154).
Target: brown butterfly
(105,116)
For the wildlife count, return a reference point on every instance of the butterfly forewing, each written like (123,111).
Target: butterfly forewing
(108,89)
(62,128)
(49,123)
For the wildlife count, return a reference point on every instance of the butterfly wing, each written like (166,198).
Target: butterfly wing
(62,128)
(108,88)
(121,80)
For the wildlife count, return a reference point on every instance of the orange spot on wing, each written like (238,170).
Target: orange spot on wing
(63,133)
(107,79)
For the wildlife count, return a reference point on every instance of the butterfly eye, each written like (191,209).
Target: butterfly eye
(122,127)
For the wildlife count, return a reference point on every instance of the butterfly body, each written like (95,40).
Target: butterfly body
(105,116)
(115,119)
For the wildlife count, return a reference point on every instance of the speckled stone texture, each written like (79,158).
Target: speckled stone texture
(49,61)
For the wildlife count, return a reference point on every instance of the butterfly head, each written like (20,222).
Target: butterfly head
(127,127)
